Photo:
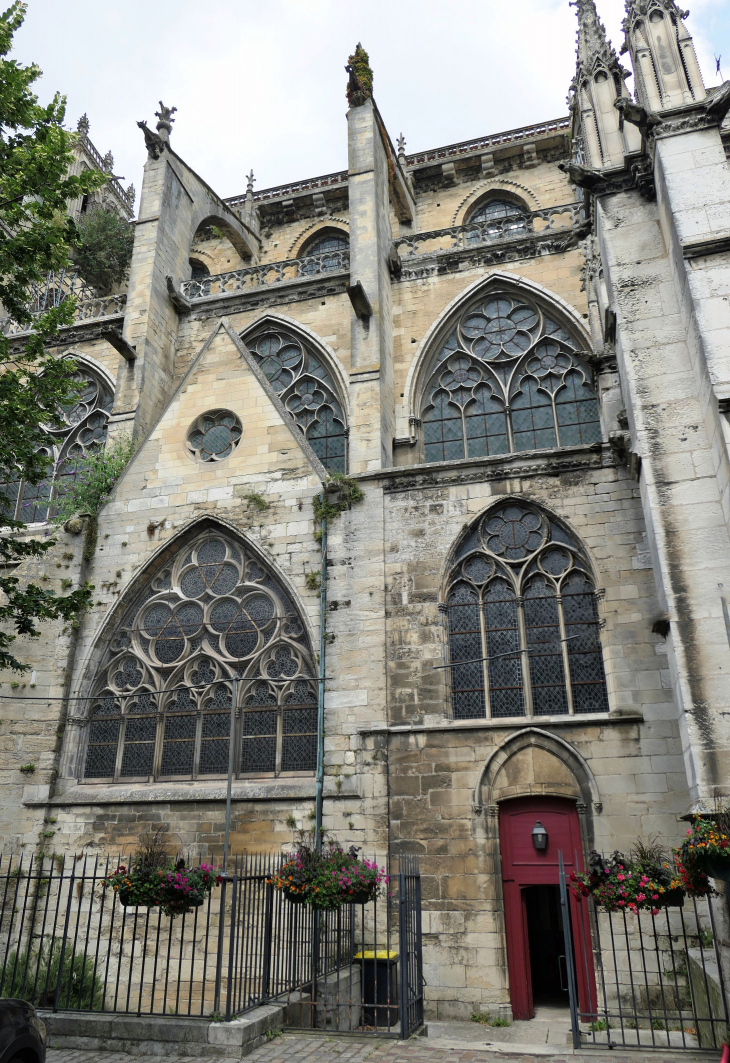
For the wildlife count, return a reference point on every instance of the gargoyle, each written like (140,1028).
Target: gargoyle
(592,180)
(154,142)
(638,116)
(718,104)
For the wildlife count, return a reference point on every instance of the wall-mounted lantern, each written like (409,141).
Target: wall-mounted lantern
(539,837)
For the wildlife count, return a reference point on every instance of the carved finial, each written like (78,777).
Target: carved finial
(164,126)
(108,162)
(250,180)
(131,194)
(83,124)
(360,83)
(401,145)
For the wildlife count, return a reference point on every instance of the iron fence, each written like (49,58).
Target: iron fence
(659,979)
(68,943)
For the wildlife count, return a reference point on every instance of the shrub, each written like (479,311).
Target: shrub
(96,474)
(105,251)
(33,975)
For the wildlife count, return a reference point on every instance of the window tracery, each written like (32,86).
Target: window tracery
(85,428)
(523,623)
(305,386)
(508,378)
(509,216)
(331,244)
(162,696)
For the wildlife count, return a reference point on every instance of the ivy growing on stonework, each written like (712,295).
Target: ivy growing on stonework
(345,494)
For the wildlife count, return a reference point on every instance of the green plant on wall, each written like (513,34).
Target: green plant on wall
(96,474)
(105,249)
(343,493)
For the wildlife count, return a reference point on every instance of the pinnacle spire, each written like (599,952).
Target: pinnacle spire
(593,46)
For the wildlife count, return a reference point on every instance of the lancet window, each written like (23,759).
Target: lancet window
(85,427)
(508,217)
(523,623)
(306,387)
(508,377)
(162,696)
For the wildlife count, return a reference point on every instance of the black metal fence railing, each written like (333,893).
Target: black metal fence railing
(659,979)
(67,943)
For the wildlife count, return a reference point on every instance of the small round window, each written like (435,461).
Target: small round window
(214,435)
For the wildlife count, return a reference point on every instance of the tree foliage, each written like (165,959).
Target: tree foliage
(105,249)
(35,156)
(96,475)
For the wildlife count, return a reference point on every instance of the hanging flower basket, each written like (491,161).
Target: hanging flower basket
(174,889)
(639,882)
(327,879)
(706,849)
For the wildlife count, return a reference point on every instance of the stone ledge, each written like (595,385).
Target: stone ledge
(153,1034)
(515,723)
(196,791)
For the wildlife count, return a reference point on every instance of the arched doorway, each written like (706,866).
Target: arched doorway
(533,918)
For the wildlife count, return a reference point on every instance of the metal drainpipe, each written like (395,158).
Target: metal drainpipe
(320,698)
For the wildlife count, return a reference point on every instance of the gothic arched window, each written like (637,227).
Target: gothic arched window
(523,619)
(85,428)
(494,217)
(508,377)
(305,385)
(162,696)
(333,246)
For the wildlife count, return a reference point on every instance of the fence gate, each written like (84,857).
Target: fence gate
(659,978)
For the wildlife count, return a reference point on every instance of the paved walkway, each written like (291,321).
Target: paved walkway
(293,1048)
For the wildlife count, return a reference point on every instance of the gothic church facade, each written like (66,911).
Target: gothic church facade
(518,349)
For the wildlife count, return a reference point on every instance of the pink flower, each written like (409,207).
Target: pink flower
(620,877)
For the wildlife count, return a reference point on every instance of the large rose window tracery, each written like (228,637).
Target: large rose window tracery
(540,390)
(163,693)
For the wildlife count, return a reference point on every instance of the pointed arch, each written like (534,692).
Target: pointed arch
(206,609)
(85,429)
(306,243)
(522,617)
(504,369)
(309,381)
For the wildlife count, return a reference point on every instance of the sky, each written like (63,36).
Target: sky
(261,85)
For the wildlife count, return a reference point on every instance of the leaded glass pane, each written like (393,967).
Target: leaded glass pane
(585,659)
(533,425)
(101,754)
(503,650)
(442,430)
(465,644)
(299,752)
(577,412)
(327,439)
(486,425)
(545,656)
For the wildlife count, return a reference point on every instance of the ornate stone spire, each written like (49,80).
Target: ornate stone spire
(249,183)
(131,194)
(402,151)
(663,55)
(598,83)
(164,126)
(83,125)
(108,162)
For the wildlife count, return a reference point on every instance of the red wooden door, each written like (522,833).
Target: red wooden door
(523,865)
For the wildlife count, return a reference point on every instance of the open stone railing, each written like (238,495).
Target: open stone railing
(89,309)
(491,231)
(289,269)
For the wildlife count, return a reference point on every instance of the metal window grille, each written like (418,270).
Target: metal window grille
(508,378)
(523,625)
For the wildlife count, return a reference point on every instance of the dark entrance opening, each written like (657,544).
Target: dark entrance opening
(546,944)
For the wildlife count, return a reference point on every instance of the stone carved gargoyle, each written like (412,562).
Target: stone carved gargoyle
(718,103)
(592,180)
(636,115)
(154,142)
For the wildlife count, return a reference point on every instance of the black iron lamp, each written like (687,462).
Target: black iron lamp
(539,837)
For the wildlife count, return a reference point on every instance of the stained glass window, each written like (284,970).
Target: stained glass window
(298,373)
(162,697)
(333,247)
(507,378)
(523,620)
(496,216)
(214,435)
(85,428)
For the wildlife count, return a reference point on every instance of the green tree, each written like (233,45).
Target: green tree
(35,156)
(105,249)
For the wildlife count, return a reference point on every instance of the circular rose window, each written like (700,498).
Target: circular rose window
(214,435)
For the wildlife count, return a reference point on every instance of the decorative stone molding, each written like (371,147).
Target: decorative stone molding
(497,185)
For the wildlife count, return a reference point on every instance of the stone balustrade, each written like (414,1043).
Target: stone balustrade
(88,309)
(491,231)
(238,280)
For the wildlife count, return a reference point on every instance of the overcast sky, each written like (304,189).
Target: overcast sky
(262,85)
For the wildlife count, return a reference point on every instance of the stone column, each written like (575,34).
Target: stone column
(372,424)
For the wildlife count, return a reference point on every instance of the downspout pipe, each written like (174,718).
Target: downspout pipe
(319,793)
